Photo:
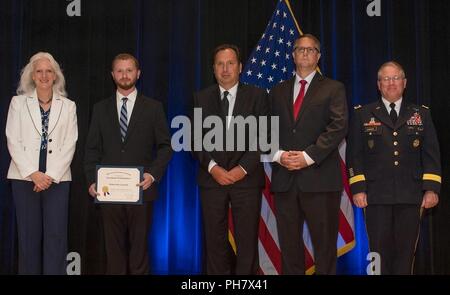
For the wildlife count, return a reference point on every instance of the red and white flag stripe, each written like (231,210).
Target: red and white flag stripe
(269,248)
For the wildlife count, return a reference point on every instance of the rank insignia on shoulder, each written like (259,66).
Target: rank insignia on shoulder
(357,107)
(351,172)
(425,107)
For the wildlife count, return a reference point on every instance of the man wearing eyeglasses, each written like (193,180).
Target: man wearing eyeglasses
(394,169)
(306,176)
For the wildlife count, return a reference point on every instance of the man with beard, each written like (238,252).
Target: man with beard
(128,129)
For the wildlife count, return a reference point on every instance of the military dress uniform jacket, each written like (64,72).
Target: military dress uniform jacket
(393,164)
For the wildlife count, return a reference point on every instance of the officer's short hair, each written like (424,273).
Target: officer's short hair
(394,64)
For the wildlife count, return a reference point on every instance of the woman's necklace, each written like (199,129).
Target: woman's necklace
(45,102)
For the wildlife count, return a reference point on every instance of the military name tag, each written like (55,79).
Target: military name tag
(370,129)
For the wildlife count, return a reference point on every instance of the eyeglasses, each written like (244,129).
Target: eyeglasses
(389,79)
(309,50)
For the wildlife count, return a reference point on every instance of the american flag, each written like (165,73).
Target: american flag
(271,63)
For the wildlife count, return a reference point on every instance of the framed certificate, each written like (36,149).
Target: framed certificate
(119,184)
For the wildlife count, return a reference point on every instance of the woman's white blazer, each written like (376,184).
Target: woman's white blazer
(24,132)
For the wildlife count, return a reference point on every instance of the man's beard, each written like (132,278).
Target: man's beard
(127,85)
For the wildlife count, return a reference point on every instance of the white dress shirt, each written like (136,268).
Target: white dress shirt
(232,92)
(131,100)
(387,103)
(231,100)
(130,103)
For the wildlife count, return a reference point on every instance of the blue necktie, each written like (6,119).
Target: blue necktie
(123,119)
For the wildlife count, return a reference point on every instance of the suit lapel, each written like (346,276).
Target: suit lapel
(405,113)
(381,113)
(35,112)
(55,113)
(216,102)
(239,102)
(288,95)
(308,98)
(113,114)
(135,115)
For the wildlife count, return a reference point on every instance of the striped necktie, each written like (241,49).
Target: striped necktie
(123,119)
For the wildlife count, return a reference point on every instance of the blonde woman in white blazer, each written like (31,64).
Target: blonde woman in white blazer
(41,132)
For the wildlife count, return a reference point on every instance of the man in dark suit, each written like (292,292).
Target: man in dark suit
(128,129)
(230,177)
(306,176)
(394,168)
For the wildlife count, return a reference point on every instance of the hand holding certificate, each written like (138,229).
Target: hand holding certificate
(119,184)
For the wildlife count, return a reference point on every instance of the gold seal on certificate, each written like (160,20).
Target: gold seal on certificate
(117,184)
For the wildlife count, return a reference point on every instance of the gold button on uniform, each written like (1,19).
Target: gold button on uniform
(396,153)
(395,143)
(396,163)
(395,133)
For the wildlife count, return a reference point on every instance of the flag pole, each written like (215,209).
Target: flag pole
(298,27)
(293,17)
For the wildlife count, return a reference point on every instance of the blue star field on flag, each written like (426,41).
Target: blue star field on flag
(271,61)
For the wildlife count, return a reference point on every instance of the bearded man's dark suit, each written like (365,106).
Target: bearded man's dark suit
(147,144)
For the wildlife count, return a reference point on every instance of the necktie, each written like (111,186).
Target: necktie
(225,103)
(299,100)
(123,119)
(393,113)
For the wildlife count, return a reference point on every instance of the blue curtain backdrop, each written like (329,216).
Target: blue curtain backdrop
(169,51)
(173,42)
(10,35)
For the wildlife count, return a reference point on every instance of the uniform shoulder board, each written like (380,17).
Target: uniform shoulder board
(357,107)
(425,107)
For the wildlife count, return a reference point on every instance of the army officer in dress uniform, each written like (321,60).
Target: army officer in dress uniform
(394,169)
